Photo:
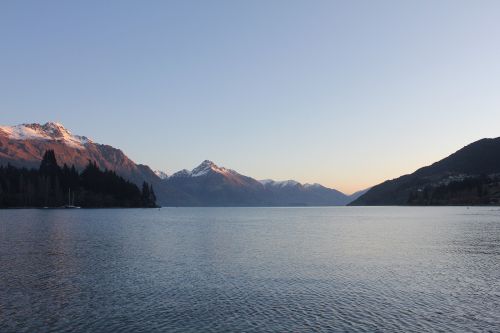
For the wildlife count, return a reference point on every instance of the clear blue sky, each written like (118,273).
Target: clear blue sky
(344,93)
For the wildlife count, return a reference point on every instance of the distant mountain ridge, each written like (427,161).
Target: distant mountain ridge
(468,176)
(211,185)
(296,193)
(206,185)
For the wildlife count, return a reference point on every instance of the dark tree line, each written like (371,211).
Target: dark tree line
(474,190)
(55,186)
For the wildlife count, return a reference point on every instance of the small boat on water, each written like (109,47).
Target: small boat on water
(71,203)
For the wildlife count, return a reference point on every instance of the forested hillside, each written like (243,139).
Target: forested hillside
(55,186)
(470,176)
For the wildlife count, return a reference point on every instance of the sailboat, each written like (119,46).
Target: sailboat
(71,203)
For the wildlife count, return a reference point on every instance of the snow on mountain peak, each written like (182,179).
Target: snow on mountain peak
(207,163)
(48,131)
(282,183)
(208,166)
(161,174)
(288,183)
(182,173)
(203,169)
(315,185)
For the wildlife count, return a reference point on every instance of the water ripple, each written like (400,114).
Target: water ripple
(250,270)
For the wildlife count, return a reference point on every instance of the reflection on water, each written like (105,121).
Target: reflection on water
(250,269)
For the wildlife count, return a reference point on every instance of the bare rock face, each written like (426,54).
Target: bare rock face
(24,145)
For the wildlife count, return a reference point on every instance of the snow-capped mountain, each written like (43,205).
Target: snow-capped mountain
(211,185)
(48,132)
(181,174)
(276,183)
(161,174)
(288,183)
(24,145)
(204,169)
(209,169)
(295,193)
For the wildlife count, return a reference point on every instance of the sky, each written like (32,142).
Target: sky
(342,93)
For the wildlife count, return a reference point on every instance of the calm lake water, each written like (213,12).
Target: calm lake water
(355,269)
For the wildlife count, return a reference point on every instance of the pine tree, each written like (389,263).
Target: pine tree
(145,193)
(152,196)
(49,166)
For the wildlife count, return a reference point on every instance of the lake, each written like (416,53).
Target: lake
(356,269)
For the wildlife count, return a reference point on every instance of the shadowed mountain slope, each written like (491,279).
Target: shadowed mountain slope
(468,176)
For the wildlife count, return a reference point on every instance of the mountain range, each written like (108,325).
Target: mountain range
(211,185)
(206,185)
(467,177)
